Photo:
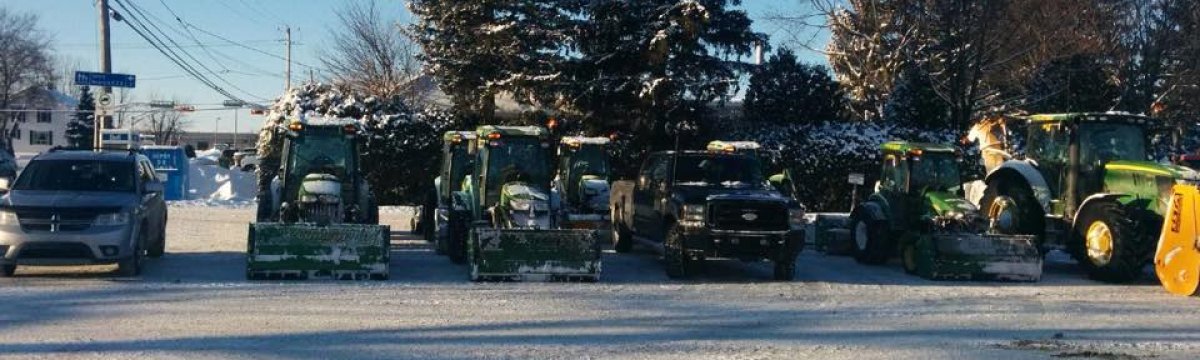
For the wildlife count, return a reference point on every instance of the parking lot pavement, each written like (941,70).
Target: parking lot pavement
(195,303)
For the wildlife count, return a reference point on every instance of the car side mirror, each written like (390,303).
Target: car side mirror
(154,187)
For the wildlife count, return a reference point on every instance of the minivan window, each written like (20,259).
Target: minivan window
(77,175)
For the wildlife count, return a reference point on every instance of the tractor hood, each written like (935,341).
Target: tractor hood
(946,203)
(521,196)
(1152,169)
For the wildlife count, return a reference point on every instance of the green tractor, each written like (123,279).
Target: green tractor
(1086,186)
(513,231)
(319,219)
(449,220)
(918,211)
(581,185)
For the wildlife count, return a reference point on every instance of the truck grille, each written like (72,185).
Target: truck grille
(59,219)
(55,250)
(748,215)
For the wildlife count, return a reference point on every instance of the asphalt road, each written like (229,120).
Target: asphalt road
(194,303)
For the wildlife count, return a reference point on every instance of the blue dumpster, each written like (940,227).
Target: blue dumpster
(171,163)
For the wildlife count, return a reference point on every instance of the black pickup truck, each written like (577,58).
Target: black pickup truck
(701,204)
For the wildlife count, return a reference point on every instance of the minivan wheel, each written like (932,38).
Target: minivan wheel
(159,247)
(132,264)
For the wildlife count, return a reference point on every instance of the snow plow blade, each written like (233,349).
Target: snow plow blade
(978,257)
(586,221)
(1177,259)
(299,251)
(534,255)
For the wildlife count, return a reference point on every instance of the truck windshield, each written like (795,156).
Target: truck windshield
(935,172)
(77,175)
(320,153)
(516,159)
(1101,142)
(721,170)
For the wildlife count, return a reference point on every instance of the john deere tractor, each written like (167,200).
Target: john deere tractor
(514,234)
(448,218)
(581,184)
(318,219)
(919,212)
(1086,185)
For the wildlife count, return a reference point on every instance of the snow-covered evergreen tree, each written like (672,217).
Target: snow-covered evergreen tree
(786,91)
(1074,84)
(80,129)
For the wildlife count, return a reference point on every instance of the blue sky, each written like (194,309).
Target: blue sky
(257,24)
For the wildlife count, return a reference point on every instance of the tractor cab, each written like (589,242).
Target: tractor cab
(456,163)
(922,172)
(320,174)
(514,175)
(582,180)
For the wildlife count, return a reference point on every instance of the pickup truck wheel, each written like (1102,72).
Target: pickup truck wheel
(675,257)
(8,270)
(785,269)
(132,265)
(908,255)
(622,238)
(871,243)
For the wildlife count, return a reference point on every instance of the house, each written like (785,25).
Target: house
(41,119)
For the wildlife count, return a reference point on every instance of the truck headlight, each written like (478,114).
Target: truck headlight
(796,217)
(112,219)
(693,215)
(8,217)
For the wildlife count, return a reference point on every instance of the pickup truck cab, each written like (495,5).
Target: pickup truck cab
(700,204)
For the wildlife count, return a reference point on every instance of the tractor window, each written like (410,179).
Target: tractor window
(892,177)
(516,159)
(1101,143)
(320,153)
(459,166)
(935,172)
(1047,143)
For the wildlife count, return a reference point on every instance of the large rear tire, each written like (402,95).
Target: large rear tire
(872,245)
(1107,244)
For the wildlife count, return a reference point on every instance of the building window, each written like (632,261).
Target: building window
(41,137)
(20,116)
(43,116)
(16,135)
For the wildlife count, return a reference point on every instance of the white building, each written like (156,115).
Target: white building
(42,124)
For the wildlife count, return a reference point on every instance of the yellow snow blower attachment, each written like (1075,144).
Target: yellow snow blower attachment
(1177,261)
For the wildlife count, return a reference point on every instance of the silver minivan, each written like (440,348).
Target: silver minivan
(72,207)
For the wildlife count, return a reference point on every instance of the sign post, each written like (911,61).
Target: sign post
(856,179)
(104,101)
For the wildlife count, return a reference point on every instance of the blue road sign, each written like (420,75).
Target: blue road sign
(102,79)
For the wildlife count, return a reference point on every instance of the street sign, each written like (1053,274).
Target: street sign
(104,100)
(857,179)
(102,79)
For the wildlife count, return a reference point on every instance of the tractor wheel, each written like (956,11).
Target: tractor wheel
(1012,209)
(622,238)
(785,268)
(872,245)
(8,270)
(675,256)
(1107,243)
(908,255)
(456,239)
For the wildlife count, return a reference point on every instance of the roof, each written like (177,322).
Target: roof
(1093,116)
(575,140)
(537,131)
(451,135)
(106,155)
(40,97)
(906,146)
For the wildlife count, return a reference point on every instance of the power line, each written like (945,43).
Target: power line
(248,47)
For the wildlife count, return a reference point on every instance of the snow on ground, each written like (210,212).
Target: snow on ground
(194,303)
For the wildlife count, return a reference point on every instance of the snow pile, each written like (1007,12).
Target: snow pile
(207,157)
(217,186)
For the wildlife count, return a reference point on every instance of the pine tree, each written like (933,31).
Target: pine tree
(786,91)
(914,103)
(79,129)
(1074,84)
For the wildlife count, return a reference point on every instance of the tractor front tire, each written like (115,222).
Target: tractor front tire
(1013,208)
(622,238)
(1107,244)
(456,239)
(872,245)
(908,255)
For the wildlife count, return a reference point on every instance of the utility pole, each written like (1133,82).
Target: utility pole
(216,127)
(287,78)
(101,116)
(235,129)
